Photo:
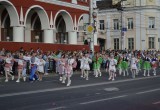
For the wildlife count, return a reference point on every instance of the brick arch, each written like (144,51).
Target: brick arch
(67,18)
(13,14)
(42,15)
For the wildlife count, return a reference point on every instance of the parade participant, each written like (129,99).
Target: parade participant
(61,69)
(133,65)
(119,65)
(69,69)
(40,68)
(8,66)
(107,63)
(81,64)
(85,65)
(74,63)
(112,67)
(146,65)
(125,60)
(139,64)
(154,64)
(97,64)
(34,61)
(20,67)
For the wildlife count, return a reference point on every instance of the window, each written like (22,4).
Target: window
(101,24)
(116,24)
(130,23)
(130,43)
(151,42)
(116,43)
(151,22)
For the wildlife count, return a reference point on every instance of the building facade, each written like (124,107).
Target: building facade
(137,27)
(46,21)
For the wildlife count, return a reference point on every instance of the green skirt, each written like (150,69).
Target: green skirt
(147,65)
(124,65)
(119,66)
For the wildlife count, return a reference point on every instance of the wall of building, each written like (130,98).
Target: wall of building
(141,31)
(14,46)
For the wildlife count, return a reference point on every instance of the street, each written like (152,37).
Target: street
(125,93)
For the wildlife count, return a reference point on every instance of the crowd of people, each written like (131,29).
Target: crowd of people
(36,63)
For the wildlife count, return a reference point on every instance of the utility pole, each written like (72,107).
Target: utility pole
(91,23)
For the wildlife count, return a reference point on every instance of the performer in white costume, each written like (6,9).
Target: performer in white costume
(134,62)
(112,67)
(85,66)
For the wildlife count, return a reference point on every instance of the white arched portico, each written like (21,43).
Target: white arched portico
(64,17)
(41,15)
(18,36)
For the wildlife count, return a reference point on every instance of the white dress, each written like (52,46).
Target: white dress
(86,62)
(112,64)
(41,66)
(133,63)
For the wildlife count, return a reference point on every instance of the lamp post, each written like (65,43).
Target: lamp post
(65,41)
(92,22)
(37,38)
(8,38)
(55,40)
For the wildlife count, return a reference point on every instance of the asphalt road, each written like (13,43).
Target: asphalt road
(125,93)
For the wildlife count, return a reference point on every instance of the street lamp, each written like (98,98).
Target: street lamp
(55,41)
(8,38)
(92,22)
(65,41)
(37,38)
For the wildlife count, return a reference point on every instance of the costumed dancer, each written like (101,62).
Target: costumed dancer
(154,64)
(119,66)
(112,67)
(81,65)
(125,60)
(20,67)
(8,67)
(69,69)
(61,69)
(139,64)
(107,63)
(34,62)
(97,65)
(133,66)
(146,65)
(40,68)
(85,65)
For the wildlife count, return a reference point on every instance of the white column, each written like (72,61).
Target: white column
(138,40)
(144,37)
(72,37)
(18,34)
(49,36)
